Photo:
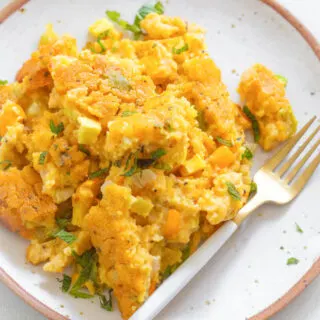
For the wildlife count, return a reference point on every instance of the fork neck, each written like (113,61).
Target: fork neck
(250,206)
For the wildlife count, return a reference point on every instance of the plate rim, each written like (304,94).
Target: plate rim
(266,313)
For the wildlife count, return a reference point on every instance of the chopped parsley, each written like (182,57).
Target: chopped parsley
(42,157)
(282,79)
(56,129)
(62,222)
(83,149)
(88,263)
(253,188)
(146,9)
(234,193)
(7,163)
(128,113)
(142,13)
(106,303)
(65,236)
(100,37)
(155,155)
(98,173)
(247,154)
(225,142)
(66,283)
(298,229)
(201,120)
(142,163)
(3,82)
(184,48)
(292,260)
(254,123)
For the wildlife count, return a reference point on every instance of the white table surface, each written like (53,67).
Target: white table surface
(305,307)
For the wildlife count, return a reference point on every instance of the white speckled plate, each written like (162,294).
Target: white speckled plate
(250,272)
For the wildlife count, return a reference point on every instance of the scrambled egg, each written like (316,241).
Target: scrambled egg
(129,152)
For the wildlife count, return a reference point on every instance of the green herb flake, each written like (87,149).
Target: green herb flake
(62,222)
(247,154)
(3,82)
(7,163)
(65,236)
(113,15)
(128,113)
(184,48)
(225,142)
(100,37)
(106,303)
(292,260)
(83,149)
(146,9)
(42,157)
(157,154)
(282,79)
(201,121)
(254,123)
(56,129)
(298,229)
(253,188)
(131,171)
(234,193)
(66,283)
(142,13)
(88,263)
(98,173)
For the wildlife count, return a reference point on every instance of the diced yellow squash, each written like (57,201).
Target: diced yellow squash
(141,206)
(222,157)
(89,130)
(195,164)
(172,225)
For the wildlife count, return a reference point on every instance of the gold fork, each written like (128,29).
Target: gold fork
(278,181)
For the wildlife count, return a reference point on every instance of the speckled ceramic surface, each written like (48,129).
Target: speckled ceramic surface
(250,272)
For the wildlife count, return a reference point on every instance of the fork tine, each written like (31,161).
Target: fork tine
(299,165)
(293,158)
(306,174)
(278,157)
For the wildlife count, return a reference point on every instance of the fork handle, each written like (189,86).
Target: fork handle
(175,283)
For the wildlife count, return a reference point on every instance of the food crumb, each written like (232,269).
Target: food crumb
(81,313)
(22,10)
(256,281)
(207,302)
(61,306)
(305,247)
(233,26)
(260,214)
(233,71)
